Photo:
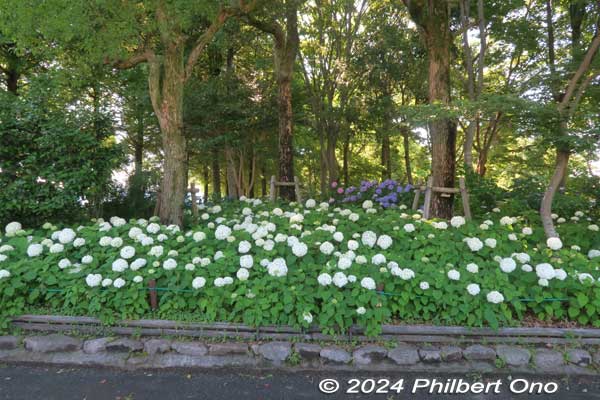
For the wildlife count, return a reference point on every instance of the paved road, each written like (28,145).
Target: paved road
(49,383)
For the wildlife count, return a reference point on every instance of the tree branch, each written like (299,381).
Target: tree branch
(138,58)
(224,14)
(583,68)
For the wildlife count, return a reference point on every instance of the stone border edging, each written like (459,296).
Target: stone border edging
(404,333)
(153,353)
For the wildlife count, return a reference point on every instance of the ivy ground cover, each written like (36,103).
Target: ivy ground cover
(308,264)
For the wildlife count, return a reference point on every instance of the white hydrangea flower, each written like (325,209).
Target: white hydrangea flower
(156,251)
(34,250)
(490,242)
(560,274)
(384,242)
(593,227)
(368,283)
(474,243)
(406,274)
(340,279)
(369,238)
(352,245)
(326,248)
(506,220)
(523,258)
(324,279)
(360,259)
(119,265)
(246,261)
(119,283)
(310,203)
(127,252)
(344,262)
(527,231)
(554,243)
(242,274)
(473,268)
(244,246)
(116,242)
(424,285)
(545,271)
(169,264)
(199,236)
(56,248)
(307,317)
(440,225)
(593,253)
(367,204)
(64,263)
(457,221)
(495,297)
(277,268)
(138,279)
(222,232)
(453,275)
(484,227)
(526,268)
(338,236)
(107,282)
(473,289)
(67,235)
(508,265)
(378,259)
(137,264)
(13,228)
(93,280)
(198,282)
(299,249)
(153,228)
(409,228)
(87,259)
(361,310)
(512,237)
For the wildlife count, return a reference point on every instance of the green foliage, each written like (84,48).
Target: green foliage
(298,299)
(53,161)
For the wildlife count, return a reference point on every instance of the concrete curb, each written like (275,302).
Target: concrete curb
(153,353)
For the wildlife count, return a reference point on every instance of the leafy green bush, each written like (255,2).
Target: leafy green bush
(287,264)
(52,162)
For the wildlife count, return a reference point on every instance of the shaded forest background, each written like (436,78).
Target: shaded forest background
(108,106)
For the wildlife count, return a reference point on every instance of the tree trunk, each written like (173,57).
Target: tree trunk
(324,177)
(433,19)
(333,169)
(386,172)
(407,165)
(170,117)
(560,169)
(346,158)
(206,182)
(12,81)
(232,189)
(216,175)
(481,162)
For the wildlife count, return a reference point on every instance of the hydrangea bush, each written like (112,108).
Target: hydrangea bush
(309,264)
(388,193)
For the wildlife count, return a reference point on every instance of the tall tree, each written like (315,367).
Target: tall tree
(284,30)
(169,36)
(567,100)
(433,21)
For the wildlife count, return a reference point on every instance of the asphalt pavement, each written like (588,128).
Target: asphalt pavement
(28,382)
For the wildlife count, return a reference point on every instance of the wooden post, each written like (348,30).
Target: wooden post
(297,187)
(152,293)
(193,190)
(428,193)
(415,205)
(464,195)
(273,194)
